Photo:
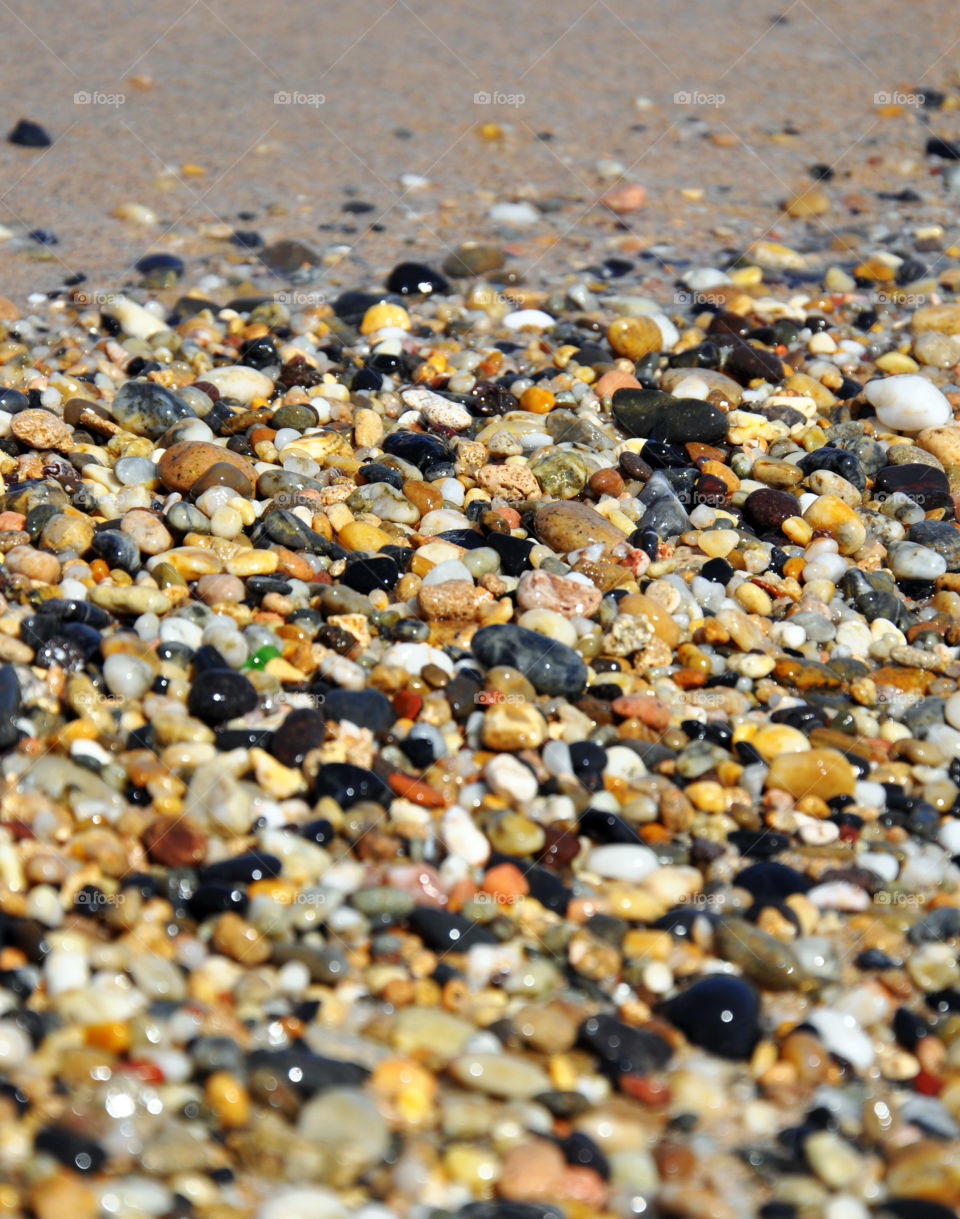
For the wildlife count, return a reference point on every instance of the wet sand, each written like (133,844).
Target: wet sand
(199,138)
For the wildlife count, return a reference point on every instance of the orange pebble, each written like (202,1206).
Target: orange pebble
(415,790)
(793,568)
(12,520)
(113,1036)
(99,570)
(461,893)
(505,880)
(536,399)
(611,381)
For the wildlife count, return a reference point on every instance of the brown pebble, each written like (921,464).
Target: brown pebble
(41,430)
(605,482)
(184,464)
(175,842)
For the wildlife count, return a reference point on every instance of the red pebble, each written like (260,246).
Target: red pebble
(644,1088)
(140,1068)
(407,704)
(927,1084)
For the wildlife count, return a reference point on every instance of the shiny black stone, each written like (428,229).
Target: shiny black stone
(623,1049)
(28,134)
(720,1014)
(772,881)
(217,695)
(442,931)
(74,1151)
(242,869)
(369,708)
(349,784)
(415,279)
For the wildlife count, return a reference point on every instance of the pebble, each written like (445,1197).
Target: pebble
(908,402)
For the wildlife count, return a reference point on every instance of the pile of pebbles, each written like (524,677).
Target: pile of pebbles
(479,750)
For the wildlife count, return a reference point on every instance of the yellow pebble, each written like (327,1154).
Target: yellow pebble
(774,739)
(377,317)
(717,543)
(706,796)
(753,599)
(797,530)
(358,535)
(228,1098)
(896,362)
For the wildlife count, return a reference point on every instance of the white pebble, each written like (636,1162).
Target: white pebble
(436,410)
(64,971)
(449,569)
(127,676)
(843,1036)
(15,1045)
(517,215)
(462,838)
(622,861)
(509,778)
(908,402)
(521,319)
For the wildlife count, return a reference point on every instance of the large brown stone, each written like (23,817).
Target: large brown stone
(565,525)
(182,465)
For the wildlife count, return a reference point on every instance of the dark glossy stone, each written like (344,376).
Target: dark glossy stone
(212,898)
(509,1210)
(242,869)
(272,483)
(514,552)
(222,474)
(217,695)
(10,703)
(415,279)
(282,527)
(600,825)
(661,416)
(873,593)
(117,549)
(746,363)
(772,881)
(307,1072)
(835,461)
(148,409)
(940,536)
(719,1014)
(365,574)
(442,931)
(368,708)
(75,1151)
(664,514)
(767,508)
(623,1049)
(582,1152)
(319,831)
(303,729)
(349,784)
(552,667)
(420,449)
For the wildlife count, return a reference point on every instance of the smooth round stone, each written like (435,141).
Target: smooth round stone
(660,416)
(622,1048)
(15,1046)
(768,508)
(550,623)
(303,1202)
(187,518)
(148,409)
(509,778)
(127,676)
(622,861)
(719,1014)
(240,382)
(147,530)
(908,561)
(184,465)
(415,279)
(296,415)
(449,569)
(843,1036)
(303,729)
(481,562)
(552,668)
(213,589)
(566,526)
(137,472)
(348,1126)
(218,695)
(908,402)
(507,1076)
(924,484)
(117,549)
(941,537)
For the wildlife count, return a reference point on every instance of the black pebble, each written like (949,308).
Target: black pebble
(720,1014)
(217,695)
(303,729)
(415,278)
(75,1151)
(444,932)
(29,135)
(242,869)
(623,1049)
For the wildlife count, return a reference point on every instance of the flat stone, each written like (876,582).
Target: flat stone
(565,526)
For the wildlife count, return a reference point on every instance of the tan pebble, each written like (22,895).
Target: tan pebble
(807,203)
(944,318)
(41,430)
(839,520)
(62,1194)
(532,1172)
(237,939)
(634,337)
(358,535)
(367,428)
(34,564)
(513,726)
(184,463)
(453,600)
(509,481)
(630,197)
(818,772)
